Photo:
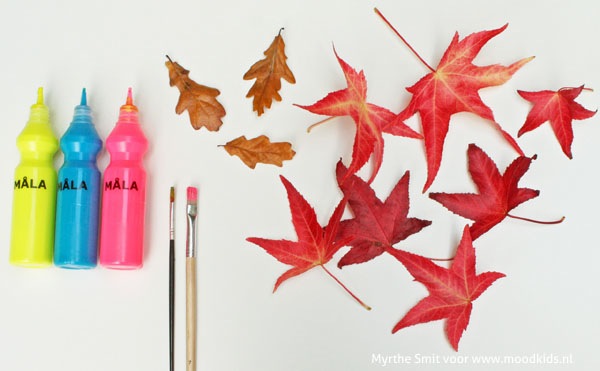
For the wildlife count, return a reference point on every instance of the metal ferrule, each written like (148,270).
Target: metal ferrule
(172,221)
(190,242)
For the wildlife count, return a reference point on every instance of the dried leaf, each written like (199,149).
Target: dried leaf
(371,120)
(498,193)
(376,225)
(200,101)
(268,73)
(316,245)
(453,87)
(260,149)
(560,109)
(451,291)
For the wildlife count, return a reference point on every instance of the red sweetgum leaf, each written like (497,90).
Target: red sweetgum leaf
(451,290)
(451,88)
(560,109)
(371,120)
(316,245)
(376,225)
(498,193)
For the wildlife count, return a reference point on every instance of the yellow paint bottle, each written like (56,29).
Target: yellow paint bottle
(34,199)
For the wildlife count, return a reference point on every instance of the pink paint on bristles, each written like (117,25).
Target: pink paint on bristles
(192,194)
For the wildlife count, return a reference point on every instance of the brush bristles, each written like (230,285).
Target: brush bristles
(192,195)
(172,194)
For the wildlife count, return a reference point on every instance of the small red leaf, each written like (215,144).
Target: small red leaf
(498,194)
(560,109)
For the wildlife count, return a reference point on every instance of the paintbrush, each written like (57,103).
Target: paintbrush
(172,280)
(190,273)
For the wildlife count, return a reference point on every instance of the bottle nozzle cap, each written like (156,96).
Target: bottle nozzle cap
(39,111)
(82,111)
(83,98)
(40,96)
(129,106)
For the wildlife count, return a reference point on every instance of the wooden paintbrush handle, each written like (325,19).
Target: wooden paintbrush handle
(190,273)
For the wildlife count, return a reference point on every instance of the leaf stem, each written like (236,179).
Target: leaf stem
(537,221)
(318,123)
(403,40)
(509,139)
(440,260)
(576,87)
(390,248)
(345,288)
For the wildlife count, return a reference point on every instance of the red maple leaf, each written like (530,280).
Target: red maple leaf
(560,109)
(498,193)
(451,88)
(376,225)
(451,291)
(371,120)
(316,245)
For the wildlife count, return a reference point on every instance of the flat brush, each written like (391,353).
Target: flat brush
(190,273)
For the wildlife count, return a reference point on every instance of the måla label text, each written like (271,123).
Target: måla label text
(118,184)
(30,183)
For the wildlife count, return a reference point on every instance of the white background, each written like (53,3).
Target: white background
(54,319)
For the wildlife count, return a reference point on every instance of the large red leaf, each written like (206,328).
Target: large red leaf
(454,87)
(316,245)
(498,194)
(560,109)
(371,120)
(451,291)
(376,225)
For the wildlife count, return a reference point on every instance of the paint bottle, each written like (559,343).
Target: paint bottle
(78,199)
(124,193)
(34,196)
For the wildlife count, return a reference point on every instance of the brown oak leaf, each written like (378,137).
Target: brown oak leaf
(260,149)
(268,73)
(200,101)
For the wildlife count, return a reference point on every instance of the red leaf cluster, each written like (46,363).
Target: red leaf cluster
(377,227)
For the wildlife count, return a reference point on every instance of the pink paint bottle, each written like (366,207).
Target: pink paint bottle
(124,193)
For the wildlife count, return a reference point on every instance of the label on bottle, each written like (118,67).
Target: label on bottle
(30,183)
(118,184)
(71,185)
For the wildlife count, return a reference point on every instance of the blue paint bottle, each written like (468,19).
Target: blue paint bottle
(77,203)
